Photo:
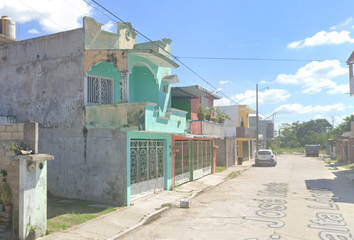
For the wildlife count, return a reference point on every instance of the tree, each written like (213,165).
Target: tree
(345,126)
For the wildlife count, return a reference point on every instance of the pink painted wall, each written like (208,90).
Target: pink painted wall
(351,150)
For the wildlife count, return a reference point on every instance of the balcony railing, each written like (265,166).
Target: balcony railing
(243,132)
(138,116)
(206,128)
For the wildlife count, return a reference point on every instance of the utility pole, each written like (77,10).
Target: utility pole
(257,131)
(257,120)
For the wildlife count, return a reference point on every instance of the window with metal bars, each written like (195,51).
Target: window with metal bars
(100,90)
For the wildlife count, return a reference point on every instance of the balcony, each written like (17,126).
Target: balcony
(243,132)
(206,128)
(138,116)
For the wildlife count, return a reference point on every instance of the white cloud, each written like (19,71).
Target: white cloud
(108,26)
(59,15)
(223,82)
(268,97)
(249,97)
(33,31)
(263,82)
(223,102)
(315,76)
(344,24)
(323,38)
(341,89)
(297,109)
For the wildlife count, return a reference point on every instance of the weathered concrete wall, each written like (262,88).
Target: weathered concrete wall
(226,153)
(7,119)
(221,155)
(91,166)
(124,115)
(42,79)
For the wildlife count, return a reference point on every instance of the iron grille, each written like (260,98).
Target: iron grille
(146,160)
(100,90)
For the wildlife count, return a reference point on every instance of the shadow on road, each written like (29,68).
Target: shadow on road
(254,165)
(341,187)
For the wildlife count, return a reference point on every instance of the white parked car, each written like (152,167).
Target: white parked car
(266,157)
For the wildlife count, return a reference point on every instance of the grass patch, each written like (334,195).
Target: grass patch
(220,169)
(232,175)
(287,150)
(68,213)
(323,151)
(166,205)
(328,161)
(150,220)
(348,166)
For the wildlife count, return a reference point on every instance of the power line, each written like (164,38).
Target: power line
(42,15)
(176,58)
(256,59)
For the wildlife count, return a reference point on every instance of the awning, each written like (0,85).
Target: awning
(155,57)
(191,92)
(171,79)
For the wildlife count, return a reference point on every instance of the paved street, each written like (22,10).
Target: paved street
(298,199)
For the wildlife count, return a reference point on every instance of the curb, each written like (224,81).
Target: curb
(142,222)
(165,209)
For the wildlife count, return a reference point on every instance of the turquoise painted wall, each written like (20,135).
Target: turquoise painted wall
(105,69)
(176,122)
(165,96)
(168,156)
(136,65)
(144,87)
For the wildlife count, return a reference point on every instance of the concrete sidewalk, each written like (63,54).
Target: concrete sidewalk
(124,220)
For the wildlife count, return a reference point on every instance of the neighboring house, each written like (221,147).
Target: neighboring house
(103,104)
(350,63)
(343,151)
(194,153)
(239,139)
(344,148)
(266,131)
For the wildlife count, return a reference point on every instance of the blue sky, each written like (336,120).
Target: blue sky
(320,32)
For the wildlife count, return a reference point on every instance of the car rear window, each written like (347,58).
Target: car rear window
(264,153)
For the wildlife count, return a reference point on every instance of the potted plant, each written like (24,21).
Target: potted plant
(209,113)
(31,230)
(6,193)
(17,149)
(14,147)
(201,110)
(221,116)
(214,119)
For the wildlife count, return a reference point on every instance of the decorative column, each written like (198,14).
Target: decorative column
(33,192)
(124,86)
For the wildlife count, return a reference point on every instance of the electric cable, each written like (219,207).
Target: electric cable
(176,58)
(256,59)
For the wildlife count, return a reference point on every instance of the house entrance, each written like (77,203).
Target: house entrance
(245,148)
(201,158)
(182,162)
(146,167)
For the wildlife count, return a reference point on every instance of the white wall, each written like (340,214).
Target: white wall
(230,126)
